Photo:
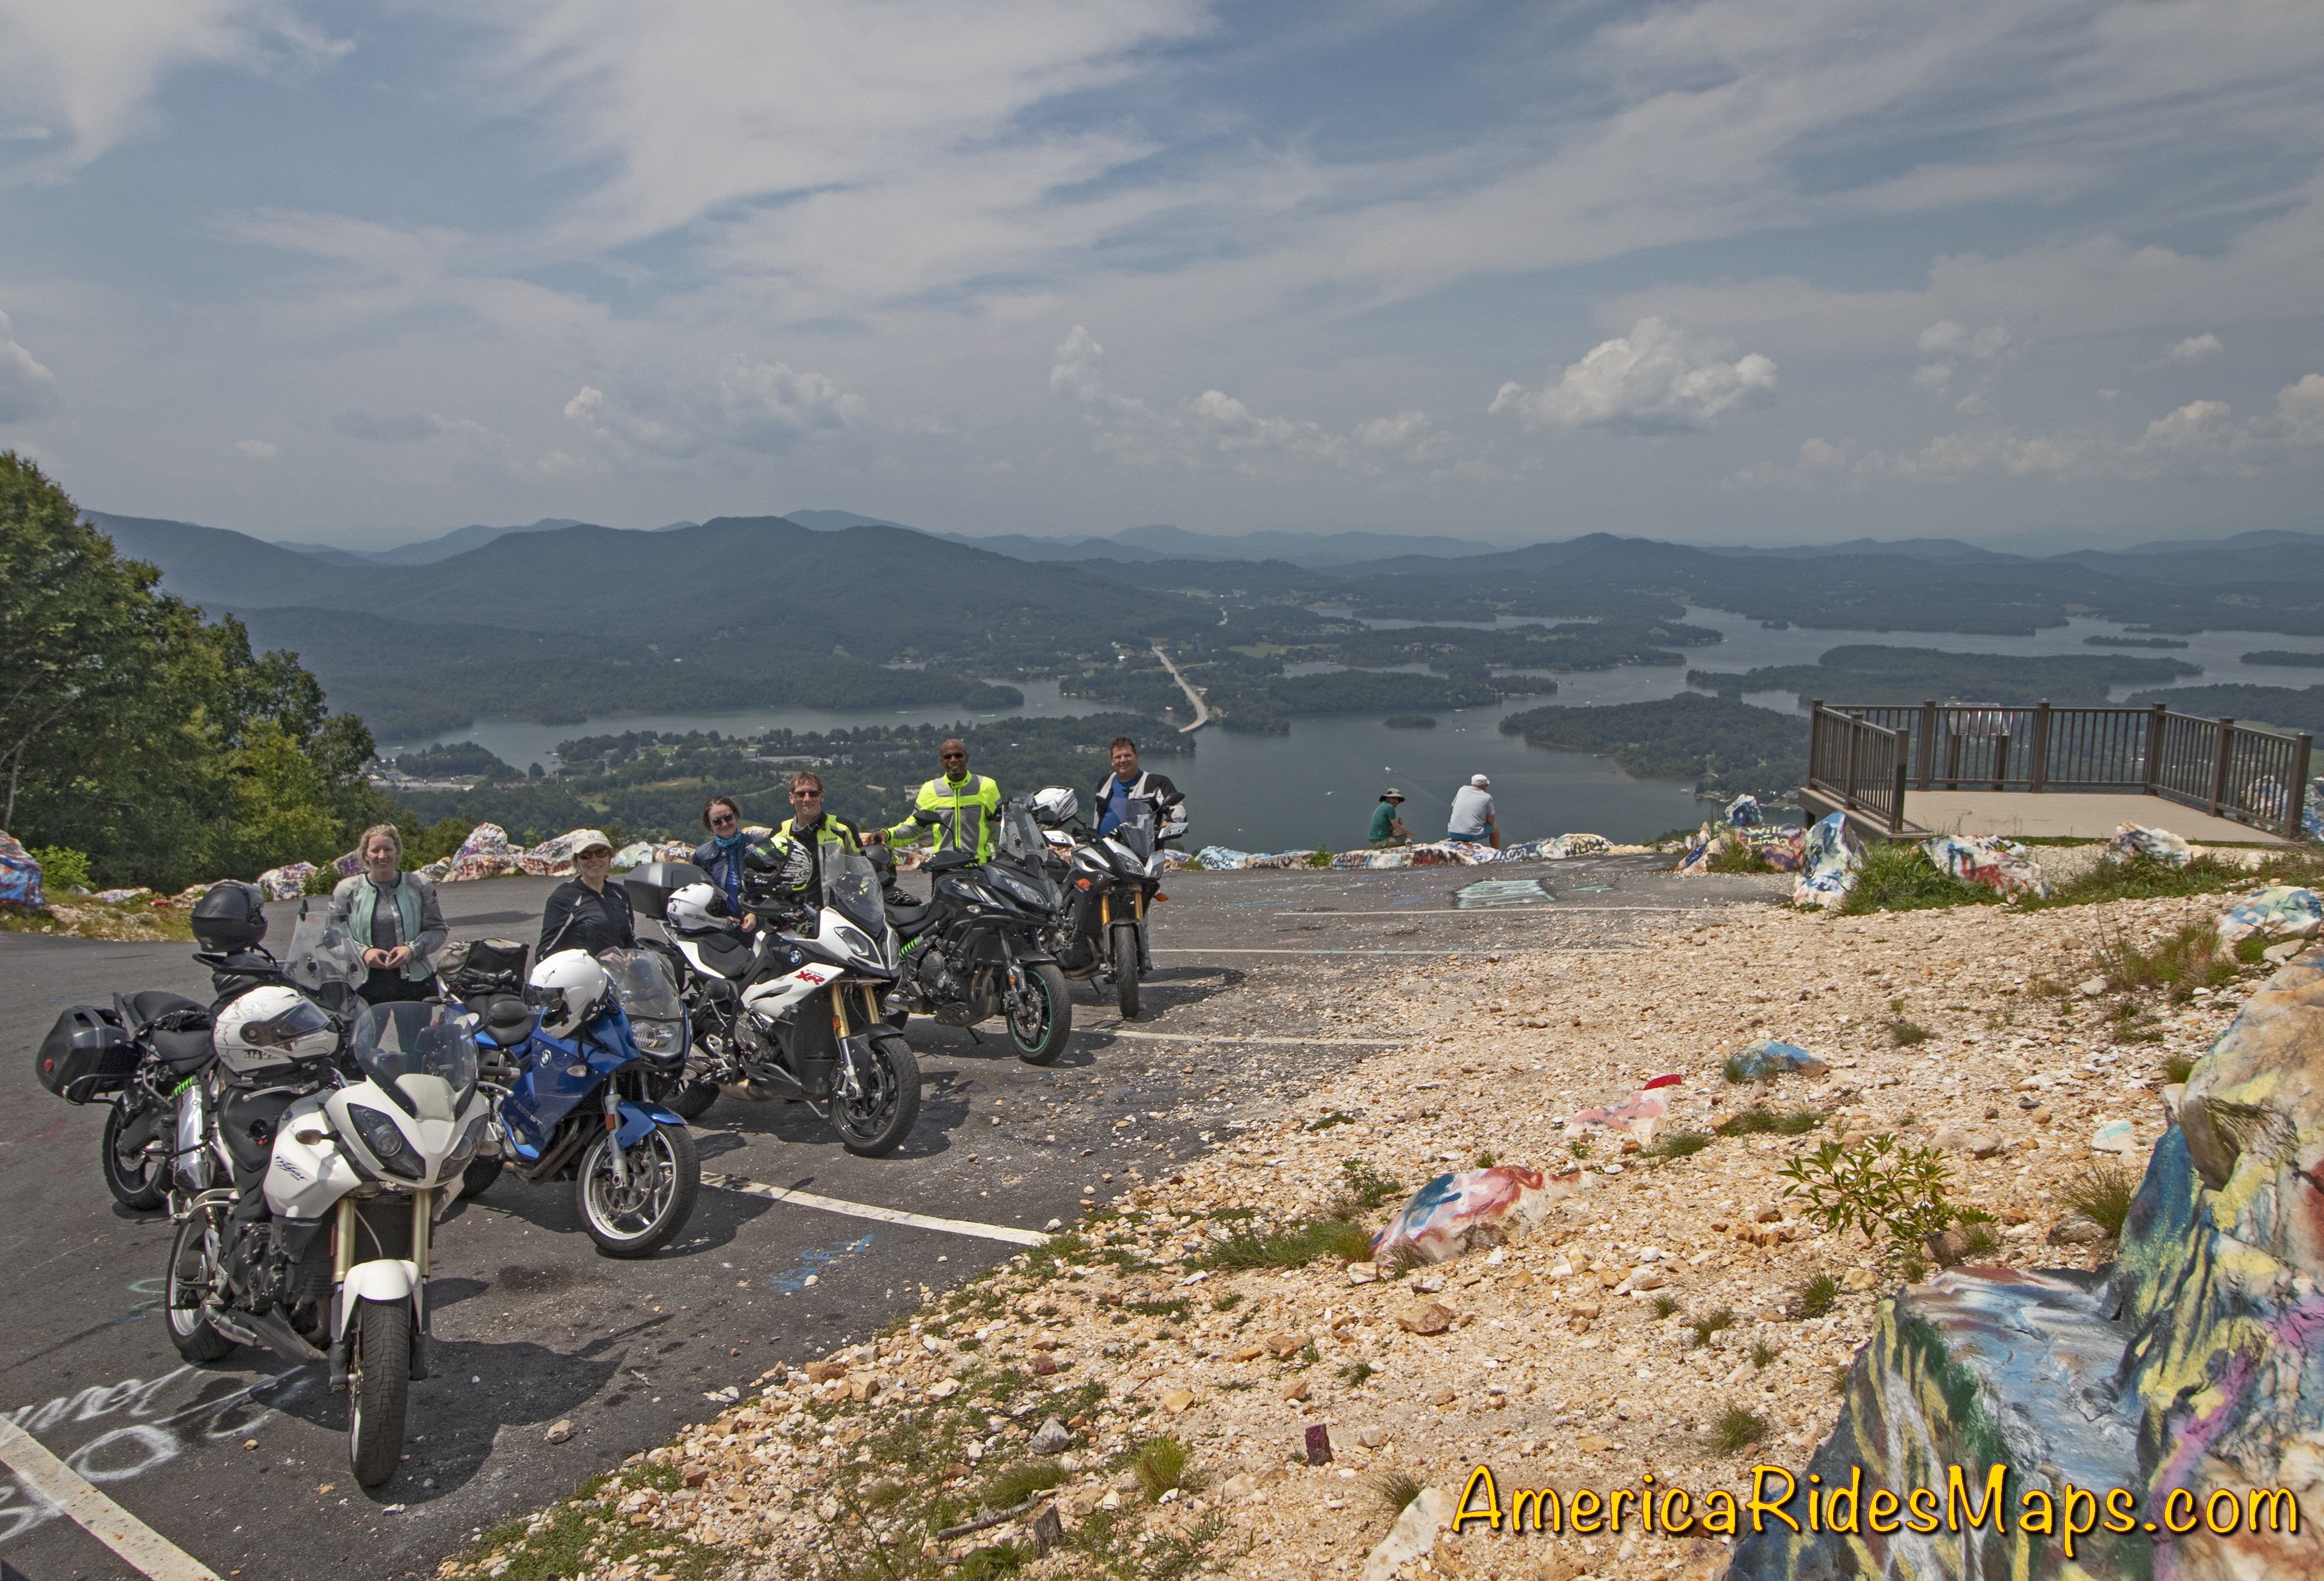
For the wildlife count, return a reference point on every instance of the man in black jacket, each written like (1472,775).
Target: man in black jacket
(1117,793)
(584,912)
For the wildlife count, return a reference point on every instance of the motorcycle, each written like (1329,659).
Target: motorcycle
(979,947)
(315,1158)
(1110,881)
(136,1055)
(566,1064)
(793,1011)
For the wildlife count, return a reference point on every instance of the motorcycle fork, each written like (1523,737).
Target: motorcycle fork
(423,1220)
(343,1258)
(612,1129)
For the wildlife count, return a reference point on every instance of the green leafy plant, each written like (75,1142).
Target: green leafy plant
(1364,1188)
(61,870)
(2101,1193)
(1879,1186)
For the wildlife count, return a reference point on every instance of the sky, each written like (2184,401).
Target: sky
(2033,274)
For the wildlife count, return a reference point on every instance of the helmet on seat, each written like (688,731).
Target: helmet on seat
(269,1027)
(578,983)
(698,908)
(230,916)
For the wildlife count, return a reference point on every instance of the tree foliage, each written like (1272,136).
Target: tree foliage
(135,731)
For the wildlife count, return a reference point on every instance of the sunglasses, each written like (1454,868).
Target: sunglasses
(725,821)
(953,756)
(807,796)
(595,856)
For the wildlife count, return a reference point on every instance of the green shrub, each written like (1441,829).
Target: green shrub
(1680,1145)
(61,869)
(1713,1323)
(1899,876)
(1815,1299)
(1739,1427)
(1880,1185)
(1161,1464)
(1758,1120)
(1903,1033)
(1294,1246)
(1364,1188)
(2101,1193)
(2188,960)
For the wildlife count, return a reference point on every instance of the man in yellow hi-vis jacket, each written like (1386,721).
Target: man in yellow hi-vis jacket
(957,808)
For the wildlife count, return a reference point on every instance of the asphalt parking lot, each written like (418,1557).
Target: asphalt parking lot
(241,1464)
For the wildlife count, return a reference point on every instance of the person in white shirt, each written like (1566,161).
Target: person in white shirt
(1472,814)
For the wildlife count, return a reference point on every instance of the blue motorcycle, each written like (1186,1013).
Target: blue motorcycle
(571,1065)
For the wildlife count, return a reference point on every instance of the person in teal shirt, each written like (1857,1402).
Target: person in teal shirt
(1387,829)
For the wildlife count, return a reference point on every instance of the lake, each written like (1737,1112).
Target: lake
(1319,782)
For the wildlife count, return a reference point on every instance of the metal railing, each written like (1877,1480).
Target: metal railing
(1860,763)
(2239,772)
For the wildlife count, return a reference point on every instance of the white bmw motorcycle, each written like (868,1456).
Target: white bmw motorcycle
(314,1159)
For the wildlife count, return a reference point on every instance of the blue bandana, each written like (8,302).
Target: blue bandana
(727,841)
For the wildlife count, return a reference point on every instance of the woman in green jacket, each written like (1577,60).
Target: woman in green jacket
(395,918)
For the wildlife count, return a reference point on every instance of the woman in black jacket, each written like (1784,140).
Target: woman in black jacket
(586,912)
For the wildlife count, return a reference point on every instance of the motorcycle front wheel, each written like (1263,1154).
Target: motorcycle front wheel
(1042,1019)
(638,1219)
(876,1122)
(379,1387)
(139,1182)
(192,1277)
(1125,969)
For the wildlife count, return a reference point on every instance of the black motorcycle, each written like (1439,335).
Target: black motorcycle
(1110,882)
(977,947)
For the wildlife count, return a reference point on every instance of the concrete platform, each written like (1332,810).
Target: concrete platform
(2070,814)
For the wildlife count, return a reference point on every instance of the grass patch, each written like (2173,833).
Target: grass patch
(2178,1068)
(1738,1428)
(1364,1188)
(1903,1033)
(1764,1354)
(1161,1464)
(1336,1117)
(1355,1372)
(2188,960)
(1663,1306)
(1680,1145)
(584,1533)
(1227,1302)
(1712,1323)
(1021,1481)
(1394,1489)
(2101,1193)
(1487,1160)
(1294,1246)
(2144,878)
(1759,1120)
(1735,857)
(1899,876)
(1815,1299)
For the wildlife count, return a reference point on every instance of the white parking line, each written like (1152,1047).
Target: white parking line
(144,1549)
(1539,907)
(957,1227)
(1313,950)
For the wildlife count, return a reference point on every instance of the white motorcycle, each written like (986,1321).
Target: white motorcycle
(794,1014)
(310,1177)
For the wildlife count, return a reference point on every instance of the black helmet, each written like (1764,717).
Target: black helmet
(230,916)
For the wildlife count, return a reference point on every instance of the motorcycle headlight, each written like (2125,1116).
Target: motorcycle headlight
(656,1037)
(385,1139)
(465,1148)
(857,941)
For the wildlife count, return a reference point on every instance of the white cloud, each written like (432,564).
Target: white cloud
(83,77)
(256,449)
(1218,427)
(1647,381)
(27,390)
(2195,348)
(760,407)
(1933,378)
(2200,436)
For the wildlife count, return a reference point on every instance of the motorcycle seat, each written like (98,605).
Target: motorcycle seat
(150,1005)
(507,1019)
(248,1121)
(725,953)
(183,1052)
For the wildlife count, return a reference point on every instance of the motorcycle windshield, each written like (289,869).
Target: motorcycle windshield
(324,958)
(851,887)
(643,983)
(1028,851)
(1136,833)
(414,1038)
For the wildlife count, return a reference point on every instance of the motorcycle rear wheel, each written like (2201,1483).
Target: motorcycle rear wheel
(686,1097)
(876,1125)
(190,1280)
(1040,1031)
(639,1220)
(1124,941)
(141,1184)
(379,1388)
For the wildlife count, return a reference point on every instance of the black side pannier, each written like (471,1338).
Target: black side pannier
(86,1053)
(652,884)
(485,966)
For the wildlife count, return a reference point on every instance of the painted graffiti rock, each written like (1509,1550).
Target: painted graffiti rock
(2192,1366)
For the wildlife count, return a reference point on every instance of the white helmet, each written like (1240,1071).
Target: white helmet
(1055,805)
(269,1027)
(698,908)
(581,983)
